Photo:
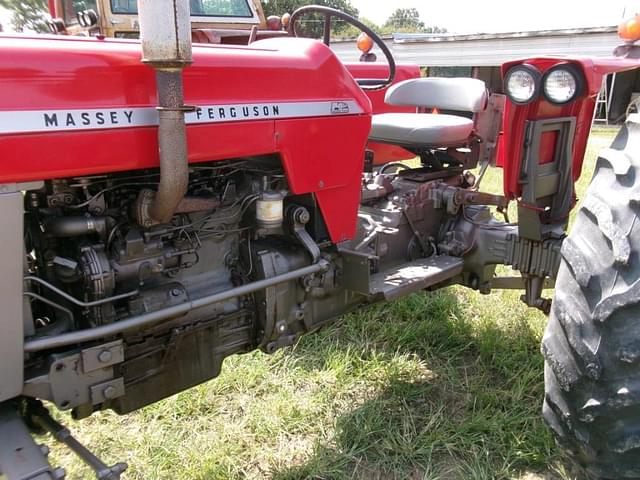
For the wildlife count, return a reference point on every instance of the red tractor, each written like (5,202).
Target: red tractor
(159,216)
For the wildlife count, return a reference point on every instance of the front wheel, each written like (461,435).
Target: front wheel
(592,341)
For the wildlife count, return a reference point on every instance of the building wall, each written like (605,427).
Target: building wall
(488,50)
(481,55)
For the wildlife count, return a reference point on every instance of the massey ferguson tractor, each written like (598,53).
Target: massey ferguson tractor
(161,215)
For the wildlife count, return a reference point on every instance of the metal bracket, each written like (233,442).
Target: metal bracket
(488,125)
(547,188)
(82,378)
(102,356)
(299,218)
(356,270)
(107,391)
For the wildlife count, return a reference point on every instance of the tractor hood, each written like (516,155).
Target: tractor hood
(72,107)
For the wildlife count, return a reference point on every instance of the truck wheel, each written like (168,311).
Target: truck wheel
(592,341)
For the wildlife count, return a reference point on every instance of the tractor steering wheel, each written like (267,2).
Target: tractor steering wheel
(328,12)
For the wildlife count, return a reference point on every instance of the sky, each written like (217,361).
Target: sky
(487,16)
(478,16)
(5,19)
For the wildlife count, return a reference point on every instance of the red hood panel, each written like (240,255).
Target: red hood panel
(71,107)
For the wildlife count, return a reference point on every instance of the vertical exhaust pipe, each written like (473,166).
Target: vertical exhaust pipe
(165,33)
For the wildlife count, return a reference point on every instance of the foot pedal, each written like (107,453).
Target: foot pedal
(414,276)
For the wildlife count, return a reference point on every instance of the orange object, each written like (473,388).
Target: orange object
(435,111)
(629,30)
(365,44)
(285,20)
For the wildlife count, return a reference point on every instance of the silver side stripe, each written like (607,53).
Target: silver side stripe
(107,118)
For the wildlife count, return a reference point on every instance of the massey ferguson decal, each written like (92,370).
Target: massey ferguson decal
(92,118)
(108,118)
(260,111)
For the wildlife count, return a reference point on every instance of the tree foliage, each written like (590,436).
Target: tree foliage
(27,14)
(279,7)
(312,25)
(408,20)
(405,18)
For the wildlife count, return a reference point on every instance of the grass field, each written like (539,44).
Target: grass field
(446,385)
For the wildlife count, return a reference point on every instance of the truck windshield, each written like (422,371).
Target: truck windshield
(199,8)
(71,7)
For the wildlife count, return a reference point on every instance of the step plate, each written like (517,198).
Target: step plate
(414,276)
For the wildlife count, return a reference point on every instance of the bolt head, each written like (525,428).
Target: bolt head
(109,392)
(105,356)
(303,215)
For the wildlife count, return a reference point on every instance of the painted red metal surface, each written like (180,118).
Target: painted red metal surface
(52,8)
(38,73)
(516,116)
(384,153)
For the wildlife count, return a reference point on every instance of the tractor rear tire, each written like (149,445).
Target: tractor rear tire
(592,341)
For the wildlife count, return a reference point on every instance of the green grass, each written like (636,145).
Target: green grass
(445,385)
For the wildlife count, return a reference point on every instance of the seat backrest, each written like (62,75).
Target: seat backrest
(461,94)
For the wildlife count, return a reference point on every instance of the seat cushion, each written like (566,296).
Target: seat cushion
(461,94)
(420,129)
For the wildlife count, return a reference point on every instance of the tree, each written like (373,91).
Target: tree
(352,31)
(311,25)
(279,7)
(435,29)
(405,19)
(408,20)
(27,14)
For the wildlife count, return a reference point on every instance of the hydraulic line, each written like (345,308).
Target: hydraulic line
(74,300)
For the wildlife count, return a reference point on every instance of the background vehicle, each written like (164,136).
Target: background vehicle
(161,217)
(212,22)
